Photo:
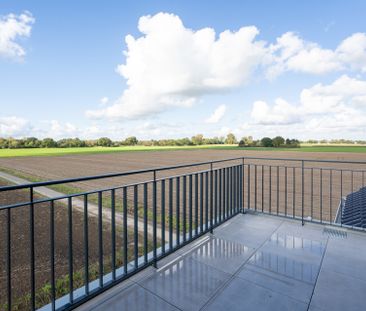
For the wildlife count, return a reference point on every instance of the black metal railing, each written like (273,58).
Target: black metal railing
(57,252)
(96,239)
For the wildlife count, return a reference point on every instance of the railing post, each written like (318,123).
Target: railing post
(32,251)
(243,185)
(302,192)
(154,221)
(211,198)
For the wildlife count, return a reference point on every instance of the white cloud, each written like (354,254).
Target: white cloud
(352,51)
(217,115)
(292,53)
(104,101)
(14,127)
(13,27)
(281,113)
(334,110)
(173,66)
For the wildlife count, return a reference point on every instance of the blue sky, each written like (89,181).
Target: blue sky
(300,72)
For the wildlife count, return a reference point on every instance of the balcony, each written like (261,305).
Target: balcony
(252,262)
(244,233)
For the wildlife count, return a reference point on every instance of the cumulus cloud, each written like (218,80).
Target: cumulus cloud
(281,113)
(217,115)
(14,126)
(171,65)
(12,28)
(338,108)
(292,53)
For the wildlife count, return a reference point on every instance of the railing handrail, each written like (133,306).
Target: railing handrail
(163,168)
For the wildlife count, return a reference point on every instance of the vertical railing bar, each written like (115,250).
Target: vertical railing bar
(216,196)
(178,210)
(228,197)
(293,192)
(211,198)
(255,187)
(302,191)
(278,189)
(312,194)
(86,245)
(125,232)
(270,189)
(330,194)
(352,191)
(113,212)
(170,214)
(248,187)
(52,255)
(206,201)
(321,195)
(231,190)
(201,202)
(341,197)
(286,191)
(243,188)
(196,203)
(262,192)
(184,194)
(135,226)
(155,243)
(190,206)
(146,223)
(163,218)
(100,236)
(221,195)
(71,260)
(8,258)
(32,252)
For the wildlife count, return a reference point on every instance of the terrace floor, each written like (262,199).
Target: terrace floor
(252,262)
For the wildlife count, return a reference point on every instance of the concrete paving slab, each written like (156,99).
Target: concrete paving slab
(241,295)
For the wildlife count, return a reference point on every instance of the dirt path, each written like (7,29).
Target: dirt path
(79,205)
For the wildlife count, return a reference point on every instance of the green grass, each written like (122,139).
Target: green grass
(25,152)
(95,150)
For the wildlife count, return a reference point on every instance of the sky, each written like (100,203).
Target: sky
(172,69)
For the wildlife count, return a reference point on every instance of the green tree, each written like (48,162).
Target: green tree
(230,139)
(197,139)
(130,141)
(48,143)
(104,142)
(278,141)
(266,142)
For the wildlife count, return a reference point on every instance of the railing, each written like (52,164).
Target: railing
(78,245)
(57,252)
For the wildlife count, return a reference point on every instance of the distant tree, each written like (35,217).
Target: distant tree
(104,142)
(242,144)
(48,143)
(32,142)
(230,139)
(197,139)
(292,143)
(3,143)
(266,142)
(130,141)
(278,141)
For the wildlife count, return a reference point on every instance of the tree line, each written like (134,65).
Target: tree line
(197,140)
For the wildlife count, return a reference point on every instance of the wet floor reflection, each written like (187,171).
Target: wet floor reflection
(283,262)
(296,269)
(294,242)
